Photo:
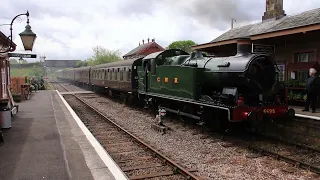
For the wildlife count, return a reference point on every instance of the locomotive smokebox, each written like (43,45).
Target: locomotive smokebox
(243,46)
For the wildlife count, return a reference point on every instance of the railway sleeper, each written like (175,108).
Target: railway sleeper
(151,175)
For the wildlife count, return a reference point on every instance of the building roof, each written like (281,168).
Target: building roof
(306,18)
(4,38)
(141,47)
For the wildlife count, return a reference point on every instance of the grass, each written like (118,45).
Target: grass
(26,71)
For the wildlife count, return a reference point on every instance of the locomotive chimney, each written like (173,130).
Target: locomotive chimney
(243,46)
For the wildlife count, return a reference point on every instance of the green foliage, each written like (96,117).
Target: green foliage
(183,45)
(102,55)
(82,63)
(13,61)
(29,69)
(295,83)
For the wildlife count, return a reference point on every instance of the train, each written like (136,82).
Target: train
(215,91)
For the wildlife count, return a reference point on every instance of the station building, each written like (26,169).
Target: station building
(143,49)
(292,39)
(4,69)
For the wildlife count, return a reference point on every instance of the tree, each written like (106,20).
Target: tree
(17,61)
(102,55)
(13,61)
(82,63)
(183,45)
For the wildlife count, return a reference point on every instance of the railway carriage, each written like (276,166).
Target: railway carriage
(68,74)
(116,77)
(82,76)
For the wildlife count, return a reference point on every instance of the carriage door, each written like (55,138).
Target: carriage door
(147,69)
(143,78)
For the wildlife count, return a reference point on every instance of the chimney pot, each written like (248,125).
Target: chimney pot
(243,46)
(148,40)
(142,41)
(153,40)
(274,10)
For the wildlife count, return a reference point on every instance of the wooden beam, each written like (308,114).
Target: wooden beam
(262,36)
(208,45)
(287,32)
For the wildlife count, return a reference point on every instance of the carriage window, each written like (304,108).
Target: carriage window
(129,75)
(121,75)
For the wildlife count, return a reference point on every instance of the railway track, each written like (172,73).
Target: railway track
(299,155)
(136,158)
(59,87)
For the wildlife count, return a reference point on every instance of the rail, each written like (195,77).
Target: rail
(176,167)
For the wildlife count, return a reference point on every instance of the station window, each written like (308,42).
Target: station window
(304,57)
(302,75)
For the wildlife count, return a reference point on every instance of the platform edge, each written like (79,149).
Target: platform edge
(103,154)
(306,116)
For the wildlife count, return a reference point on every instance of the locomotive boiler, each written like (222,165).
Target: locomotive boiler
(252,77)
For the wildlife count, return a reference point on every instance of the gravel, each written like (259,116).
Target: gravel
(210,156)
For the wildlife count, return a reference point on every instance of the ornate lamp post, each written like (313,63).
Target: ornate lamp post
(27,36)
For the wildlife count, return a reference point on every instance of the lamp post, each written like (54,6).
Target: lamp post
(27,36)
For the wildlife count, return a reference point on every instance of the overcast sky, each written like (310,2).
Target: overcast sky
(68,29)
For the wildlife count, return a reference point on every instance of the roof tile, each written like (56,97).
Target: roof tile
(288,22)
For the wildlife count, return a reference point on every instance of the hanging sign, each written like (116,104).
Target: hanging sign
(22,55)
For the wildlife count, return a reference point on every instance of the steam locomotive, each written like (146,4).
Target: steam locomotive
(216,91)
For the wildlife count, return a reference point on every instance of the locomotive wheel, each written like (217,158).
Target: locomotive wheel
(214,119)
(110,93)
(187,109)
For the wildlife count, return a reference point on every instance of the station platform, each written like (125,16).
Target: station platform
(306,114)
(47,140)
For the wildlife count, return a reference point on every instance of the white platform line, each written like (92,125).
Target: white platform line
(105,157)
(306,116)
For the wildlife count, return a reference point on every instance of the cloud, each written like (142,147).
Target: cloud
(70,29)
